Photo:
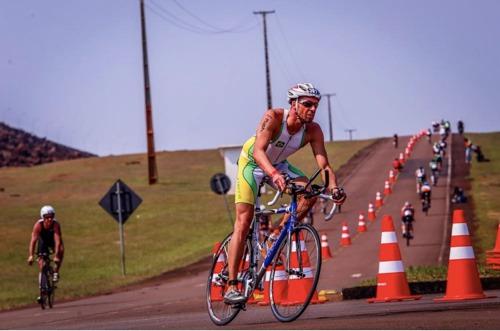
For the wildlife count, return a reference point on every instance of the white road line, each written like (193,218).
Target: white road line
(447,212)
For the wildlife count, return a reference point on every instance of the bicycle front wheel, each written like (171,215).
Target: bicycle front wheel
(295,274)
(44,293)
(219,312)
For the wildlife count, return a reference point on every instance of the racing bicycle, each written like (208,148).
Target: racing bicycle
(408,227)
(46,283)
(295,255)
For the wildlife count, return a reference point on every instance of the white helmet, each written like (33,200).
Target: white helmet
(303,90)
(47,210)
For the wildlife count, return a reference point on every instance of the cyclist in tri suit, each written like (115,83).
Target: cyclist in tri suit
(281,133)
(47,233)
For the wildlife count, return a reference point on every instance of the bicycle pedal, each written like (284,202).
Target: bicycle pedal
(241,306)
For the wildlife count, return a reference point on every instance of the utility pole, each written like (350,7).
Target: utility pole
(152,170)
(328,95)
(350,132)
(268,78)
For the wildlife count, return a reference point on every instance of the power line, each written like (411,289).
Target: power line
(287,44)
(182,24)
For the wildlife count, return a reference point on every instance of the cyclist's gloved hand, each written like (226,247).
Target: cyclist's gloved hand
(57,259)
(278,180)
(338,195)
(30,259)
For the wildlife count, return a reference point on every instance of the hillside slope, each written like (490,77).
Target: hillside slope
(20,149)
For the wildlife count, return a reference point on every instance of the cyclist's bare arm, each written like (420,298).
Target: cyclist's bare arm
(317,141)
(57,239)
(34,237)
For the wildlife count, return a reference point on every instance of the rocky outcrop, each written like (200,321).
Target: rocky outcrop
(21,149)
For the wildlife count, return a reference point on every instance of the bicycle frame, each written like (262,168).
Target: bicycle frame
(289,226)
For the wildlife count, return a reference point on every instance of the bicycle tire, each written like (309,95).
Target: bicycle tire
(219,312)
(303,253)
(43,289)
(50,288)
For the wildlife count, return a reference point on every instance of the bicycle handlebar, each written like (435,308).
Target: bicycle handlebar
(334,207)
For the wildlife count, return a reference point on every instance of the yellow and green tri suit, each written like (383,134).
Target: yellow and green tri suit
(250,175)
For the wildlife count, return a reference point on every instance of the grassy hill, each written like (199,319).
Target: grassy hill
(176,225)
(485,187)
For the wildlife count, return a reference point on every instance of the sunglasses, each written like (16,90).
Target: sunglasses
(309,104)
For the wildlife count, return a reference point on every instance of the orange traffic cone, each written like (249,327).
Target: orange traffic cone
(392,177)
(493,256)
(216,291)
(387,188)
(299,287)
(391,279)
(280,286)
(401,158)
(371,212)
(346,237)
(361,223)
(325,248)
(378,200)
(407,152)
(462,281)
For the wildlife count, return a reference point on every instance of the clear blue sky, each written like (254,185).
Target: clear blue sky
(71,70)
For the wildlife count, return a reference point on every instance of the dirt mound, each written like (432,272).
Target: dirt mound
(21,149)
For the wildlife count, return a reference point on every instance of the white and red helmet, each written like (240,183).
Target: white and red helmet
(303,90)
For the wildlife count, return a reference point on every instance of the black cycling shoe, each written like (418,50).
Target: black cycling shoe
(233,297)
(39,300)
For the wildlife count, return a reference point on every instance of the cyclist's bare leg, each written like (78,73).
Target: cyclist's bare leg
(244,216)
(61,257)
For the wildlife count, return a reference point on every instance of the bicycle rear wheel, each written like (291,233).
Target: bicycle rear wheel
(295,274)
(219,312)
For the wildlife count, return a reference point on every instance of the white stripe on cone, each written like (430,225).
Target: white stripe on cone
(386,267)
(388,238)
(302,246)
(307,271)
(459,229)
(461,253)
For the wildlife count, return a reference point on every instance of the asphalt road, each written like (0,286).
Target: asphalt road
(179,302)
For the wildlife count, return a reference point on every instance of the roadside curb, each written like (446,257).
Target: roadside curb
(430,287)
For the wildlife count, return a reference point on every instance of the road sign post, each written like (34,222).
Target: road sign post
(120,202)
(220,184)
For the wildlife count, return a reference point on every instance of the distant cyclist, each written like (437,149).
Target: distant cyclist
(434,166)
(439,160)
(442,146)
(428,133)
(47,233)
(425,195)
(435,126)
(407,217)
(436,148)
(420,177)
(460,127)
